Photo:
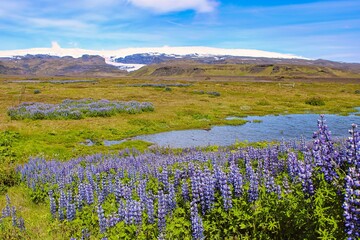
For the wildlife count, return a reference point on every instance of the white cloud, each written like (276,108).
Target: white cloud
(164,6)
(58,23)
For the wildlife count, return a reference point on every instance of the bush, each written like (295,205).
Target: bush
(37,91)
(212,93)
(315,101)
(215,94)
(8,176)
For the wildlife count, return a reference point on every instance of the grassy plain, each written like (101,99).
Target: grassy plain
(175,108)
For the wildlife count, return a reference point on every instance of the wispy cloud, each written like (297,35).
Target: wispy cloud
(58,23)
(311,29)
(164,6)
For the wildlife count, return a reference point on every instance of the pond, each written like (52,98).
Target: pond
(258,128)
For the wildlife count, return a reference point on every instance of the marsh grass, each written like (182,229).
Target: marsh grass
(175,110)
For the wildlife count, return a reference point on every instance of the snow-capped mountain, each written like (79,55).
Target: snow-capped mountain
(131,59)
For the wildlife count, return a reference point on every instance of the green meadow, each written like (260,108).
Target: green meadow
(201,104)
(175,108)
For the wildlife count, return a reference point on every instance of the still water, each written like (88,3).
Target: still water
(264,128)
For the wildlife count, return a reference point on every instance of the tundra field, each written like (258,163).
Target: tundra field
(133,190)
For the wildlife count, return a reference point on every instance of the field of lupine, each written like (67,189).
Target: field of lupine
(76,109)
(290,190)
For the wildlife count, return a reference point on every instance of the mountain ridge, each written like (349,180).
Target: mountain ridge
(167,61)
(56,50)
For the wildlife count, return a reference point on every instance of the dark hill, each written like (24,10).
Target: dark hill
(44,65)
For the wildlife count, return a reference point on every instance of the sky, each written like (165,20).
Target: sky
(312,29)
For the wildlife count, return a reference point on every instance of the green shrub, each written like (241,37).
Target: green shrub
(263,102)
(315,101)
(8,176)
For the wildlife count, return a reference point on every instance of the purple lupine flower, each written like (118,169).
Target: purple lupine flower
(112,220)
(286,186)
(177,178)
(217,177)
(185,190)
(103,188)
(324,152)
(90,178)
(70,208)
(21,224)
(134,210)
(62,199)
(248,168)
(208,191)
(127,192)
(201,190)
(171,197)
(6,212)
(150,208)
(292,164)
(282,147)
(141,189)
(195,186)
(225,191)
(82,191)
(89,194)
(100,194)
(303,146)
(121,211)
(102,219)
(70,212)
(235,178)
(353,146)
(69,197)
(13,217)
(110,185)
(161,211)
(164,178)
(85,234)
(305,174)
(79,201)
(191,169)
(52,204)
(351,203)
(118,189)
(196,222)
(270,183)
(254,186)
(61,214)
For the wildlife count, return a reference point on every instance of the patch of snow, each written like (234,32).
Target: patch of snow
(124,66)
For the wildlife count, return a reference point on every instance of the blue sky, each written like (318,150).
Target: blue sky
(313,29)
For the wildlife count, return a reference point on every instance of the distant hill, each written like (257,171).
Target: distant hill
(256,68)
(169,61)
(45,65)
